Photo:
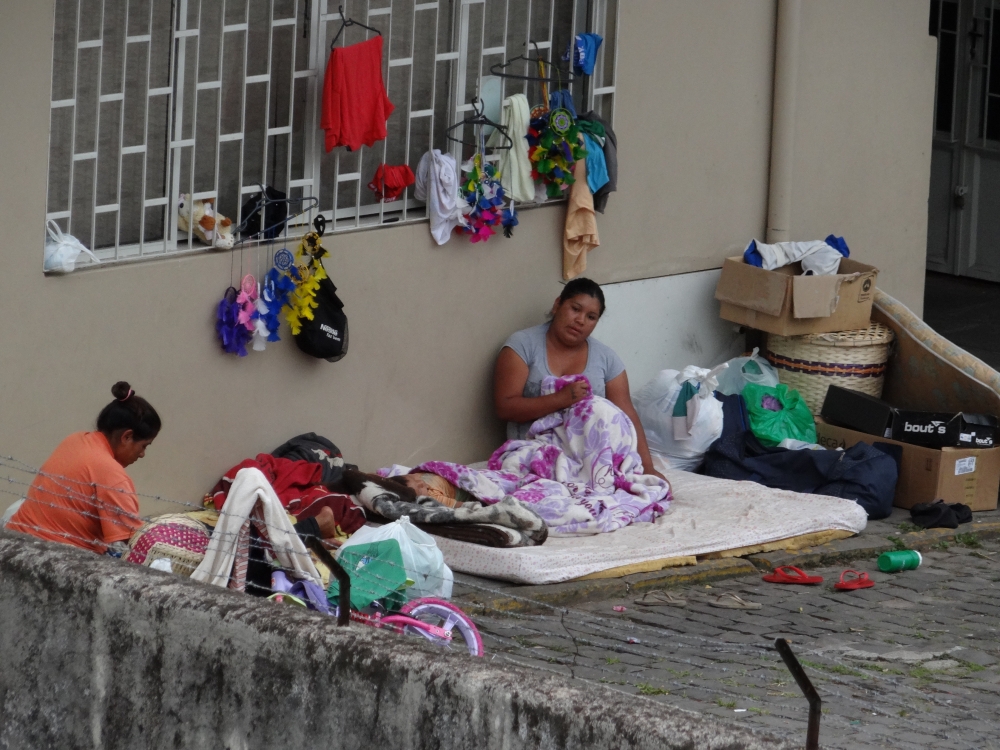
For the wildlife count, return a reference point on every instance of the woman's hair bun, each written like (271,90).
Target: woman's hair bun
(121,390)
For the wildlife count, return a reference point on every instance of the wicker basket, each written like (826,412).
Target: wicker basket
(850,359)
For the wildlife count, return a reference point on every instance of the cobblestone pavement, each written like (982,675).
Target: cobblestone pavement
(912,662)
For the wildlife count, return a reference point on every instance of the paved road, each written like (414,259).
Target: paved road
(913,662)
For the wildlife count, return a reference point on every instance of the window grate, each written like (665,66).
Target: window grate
(152,99)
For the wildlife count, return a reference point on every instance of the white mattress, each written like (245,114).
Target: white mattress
(707,515)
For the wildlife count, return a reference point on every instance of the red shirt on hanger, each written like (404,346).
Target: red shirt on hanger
(355,103)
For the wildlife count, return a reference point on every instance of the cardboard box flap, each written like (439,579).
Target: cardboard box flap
(816,296)
(752,287)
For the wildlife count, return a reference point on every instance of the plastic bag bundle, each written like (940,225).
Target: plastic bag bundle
(742,370)
(792,421)
(680,414)
(62,250)
(422,560)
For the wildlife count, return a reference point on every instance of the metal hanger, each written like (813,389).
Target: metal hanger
(304,205)
(478,118)
(350,22)
(561,77)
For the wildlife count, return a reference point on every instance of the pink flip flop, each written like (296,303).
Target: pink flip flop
(791,574)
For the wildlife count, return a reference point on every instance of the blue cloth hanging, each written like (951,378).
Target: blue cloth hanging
(562,99)
(597,167)
(582,50)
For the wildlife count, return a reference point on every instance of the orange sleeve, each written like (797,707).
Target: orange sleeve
(118,511)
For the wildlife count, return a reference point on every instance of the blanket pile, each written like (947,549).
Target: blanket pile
(578,468)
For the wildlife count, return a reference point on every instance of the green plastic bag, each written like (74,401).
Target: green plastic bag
(376,571)
(771,427)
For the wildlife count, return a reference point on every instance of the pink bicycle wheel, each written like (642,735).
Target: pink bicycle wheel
(447,616)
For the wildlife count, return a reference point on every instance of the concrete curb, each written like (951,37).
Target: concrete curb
(556,595)
(479,595)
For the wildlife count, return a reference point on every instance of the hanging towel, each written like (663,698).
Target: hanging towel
(610,161)
(251,499)
(437,185)
(515,166)
(819,258)
(390,181)
(580,234)
(597,168)
(355,103)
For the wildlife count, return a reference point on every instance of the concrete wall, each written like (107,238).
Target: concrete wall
(99,654)
(693,121)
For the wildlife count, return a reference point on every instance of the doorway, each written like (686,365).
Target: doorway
(963,227)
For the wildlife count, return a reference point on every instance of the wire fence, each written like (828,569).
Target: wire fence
(644,655)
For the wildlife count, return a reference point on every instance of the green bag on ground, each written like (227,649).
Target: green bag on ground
(376,571)
(771,427)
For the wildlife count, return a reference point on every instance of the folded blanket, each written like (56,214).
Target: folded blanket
(578,468)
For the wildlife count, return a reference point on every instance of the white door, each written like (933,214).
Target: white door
(963,229)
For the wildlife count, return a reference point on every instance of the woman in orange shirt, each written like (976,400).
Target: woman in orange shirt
(82,495)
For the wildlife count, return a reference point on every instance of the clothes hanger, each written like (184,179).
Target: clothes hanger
(562,76)
(345,22)
(304,205)
(479,119)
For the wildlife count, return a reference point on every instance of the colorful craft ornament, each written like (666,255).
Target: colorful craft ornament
(306,275)
(277,286)
(246,299)
(233,334)
(553,148)
(509,221)
(484,195)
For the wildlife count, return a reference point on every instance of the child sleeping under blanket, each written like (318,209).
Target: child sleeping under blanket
(578,468)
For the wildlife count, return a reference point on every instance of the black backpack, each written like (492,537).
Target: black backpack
(325,336)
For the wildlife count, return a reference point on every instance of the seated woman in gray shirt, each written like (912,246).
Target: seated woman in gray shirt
(562,347)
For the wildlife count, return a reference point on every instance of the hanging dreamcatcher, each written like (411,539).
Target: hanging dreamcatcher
(484,195)
(554,148)
(274,294)
(306,273)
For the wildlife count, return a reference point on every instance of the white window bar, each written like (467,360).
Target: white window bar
(152,99)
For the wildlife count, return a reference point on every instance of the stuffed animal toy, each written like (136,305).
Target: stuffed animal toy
(199,217)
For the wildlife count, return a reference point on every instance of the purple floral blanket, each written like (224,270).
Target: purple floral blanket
(578,468)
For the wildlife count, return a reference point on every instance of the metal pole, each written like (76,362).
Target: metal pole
(815,703)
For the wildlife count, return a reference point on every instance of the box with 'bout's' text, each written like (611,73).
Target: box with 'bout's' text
(956,475)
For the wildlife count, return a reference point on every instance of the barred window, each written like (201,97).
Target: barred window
(152,99)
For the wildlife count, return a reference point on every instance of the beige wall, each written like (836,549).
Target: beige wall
(693,121)
(863,130)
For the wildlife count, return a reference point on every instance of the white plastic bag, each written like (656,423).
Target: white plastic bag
(743,370)
(62,250)
(655,403)
(422,559)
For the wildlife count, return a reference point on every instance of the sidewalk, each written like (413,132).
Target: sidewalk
(895,532)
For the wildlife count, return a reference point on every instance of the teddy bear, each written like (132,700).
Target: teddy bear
(208,226)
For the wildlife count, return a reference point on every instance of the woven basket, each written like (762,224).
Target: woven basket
(850,359)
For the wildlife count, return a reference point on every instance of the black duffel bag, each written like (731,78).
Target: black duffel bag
(325,336)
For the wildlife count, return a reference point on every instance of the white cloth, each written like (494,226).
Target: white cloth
(249,488)
(817,257)
(515,166)
(437,185)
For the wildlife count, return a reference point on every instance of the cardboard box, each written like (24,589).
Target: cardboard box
(936,430)
(857,411)
(787,303)
(955,475)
